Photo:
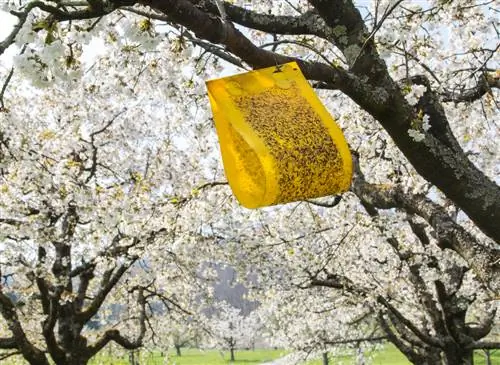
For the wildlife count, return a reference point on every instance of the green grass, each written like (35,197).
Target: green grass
(479,359)
(388,356)
(196,357)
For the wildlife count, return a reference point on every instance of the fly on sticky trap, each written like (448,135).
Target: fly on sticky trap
(278,142)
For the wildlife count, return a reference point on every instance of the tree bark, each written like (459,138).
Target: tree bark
(458,356)
(232,354)
(178,350)
(487,357)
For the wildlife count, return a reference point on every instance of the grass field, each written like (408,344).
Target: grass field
(197,357)
(389,356)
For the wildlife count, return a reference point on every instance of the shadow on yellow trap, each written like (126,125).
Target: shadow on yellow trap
(278,142)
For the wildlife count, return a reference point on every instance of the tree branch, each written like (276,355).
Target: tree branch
(482,259)
(214,30)
(31,353)
(108,282)
(8,343)
(447,168)
(485,345)
(114,335)
(407,323)
(356,340)
(395,339)
(484,85)
(5,356)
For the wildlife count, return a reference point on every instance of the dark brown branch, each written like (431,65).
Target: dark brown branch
(5,356)
(407,323)
(17,28)
(108,282)
(485,345)
(446,167)
(214,30)
(8,343)
(394,338)
(4,87)
(418,230)
(29,351)
(85,278)
(41,282)
(335,281)
(307,23)
(356,340)
(481,258)
(484,85)
(114,335)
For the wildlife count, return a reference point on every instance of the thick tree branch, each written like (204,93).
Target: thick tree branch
(453,314)
(353,39)
(407,323)
(50,306)
(442,164)
(485,345)
(335,281)
(108,282)
(5,356)
(30,352)
(414,349)
(8,343)
(212,29)
(356,340)
(482,259)
(85,278)
(115,335)
(394,338)
(484,85)
(307,23)
(425,296)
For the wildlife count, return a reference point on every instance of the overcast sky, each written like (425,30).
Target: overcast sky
(7,21)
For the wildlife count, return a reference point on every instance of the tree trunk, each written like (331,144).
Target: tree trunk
(232,353)
(427,356)
(360,357)
(178,350)
(72,360)
(487,357)
(456,356)
(131,358)
(325,358)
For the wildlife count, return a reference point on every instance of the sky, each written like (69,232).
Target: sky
(7,21)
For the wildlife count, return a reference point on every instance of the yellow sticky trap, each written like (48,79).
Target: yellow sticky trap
(278,142)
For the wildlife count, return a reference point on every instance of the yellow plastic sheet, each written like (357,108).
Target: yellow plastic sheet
(278,142)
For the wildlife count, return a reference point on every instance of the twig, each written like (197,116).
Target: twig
(4,87)
(298,43)
(377,27)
